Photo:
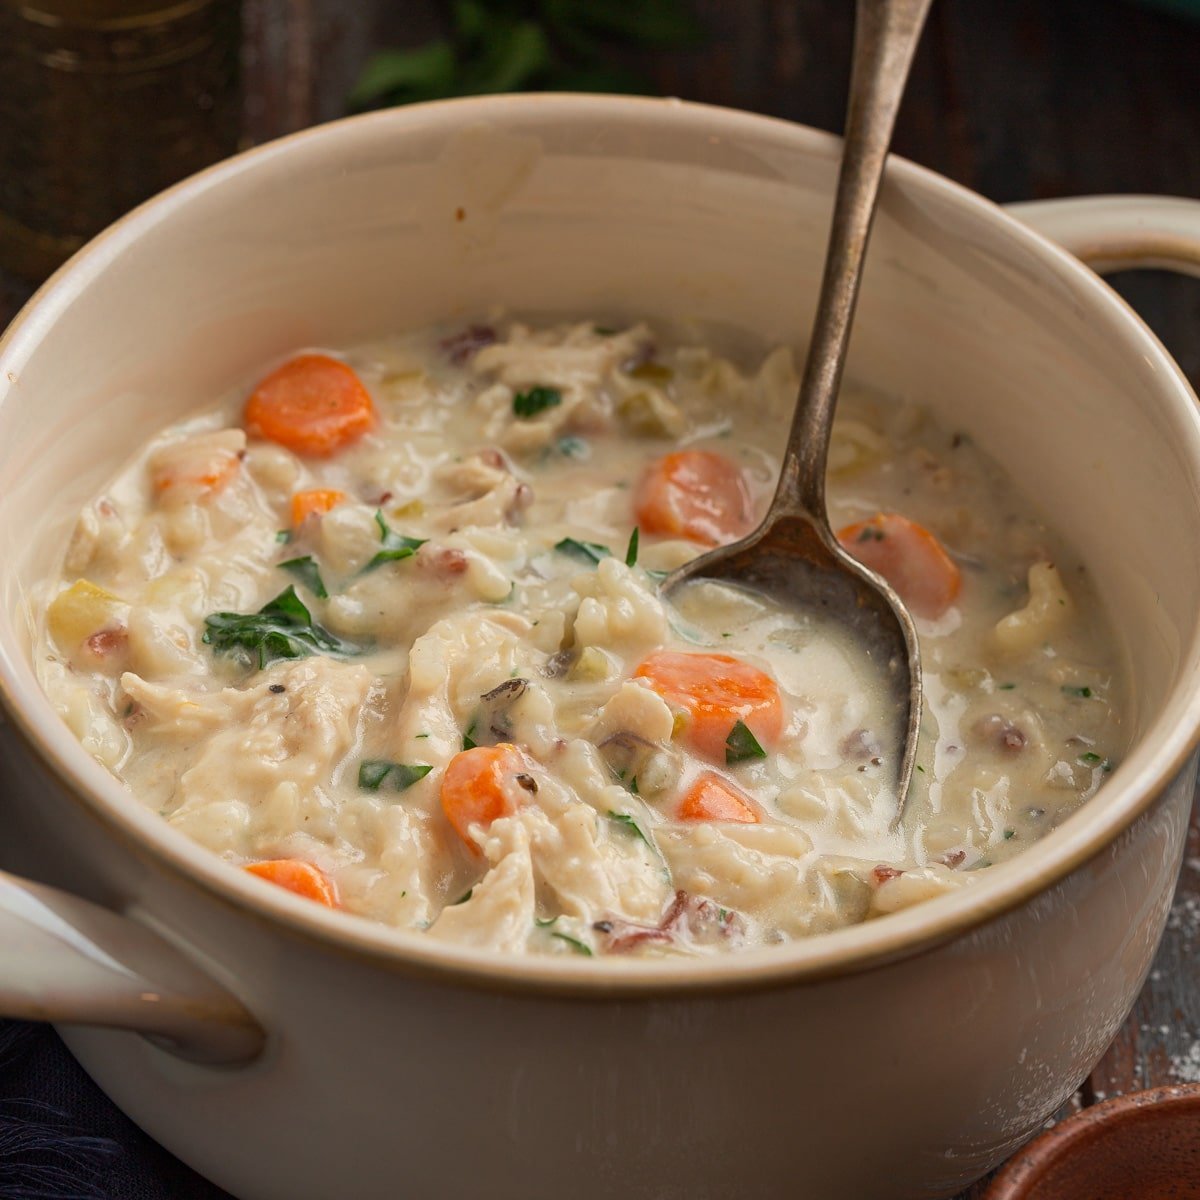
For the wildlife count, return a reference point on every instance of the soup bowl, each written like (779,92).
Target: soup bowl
(284,1050)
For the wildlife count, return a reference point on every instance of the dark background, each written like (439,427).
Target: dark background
(1018,99)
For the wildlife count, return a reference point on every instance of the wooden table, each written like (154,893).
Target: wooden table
(1017,99)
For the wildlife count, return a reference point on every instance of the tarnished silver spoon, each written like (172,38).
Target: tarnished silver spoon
(793,555)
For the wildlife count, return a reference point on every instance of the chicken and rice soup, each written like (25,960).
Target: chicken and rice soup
(384,629)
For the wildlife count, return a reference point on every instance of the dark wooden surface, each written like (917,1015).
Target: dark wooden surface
(1018,99)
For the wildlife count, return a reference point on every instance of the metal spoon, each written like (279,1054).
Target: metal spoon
(793,555)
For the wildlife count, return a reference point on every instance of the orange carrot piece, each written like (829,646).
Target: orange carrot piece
(212,477)
(695,494)
(315,500)
(479,787)
(313,405)
(909,557)
(300,877)
(712,798)
(716,691)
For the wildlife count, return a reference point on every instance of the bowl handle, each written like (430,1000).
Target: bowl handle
(1121,233)
(68,960)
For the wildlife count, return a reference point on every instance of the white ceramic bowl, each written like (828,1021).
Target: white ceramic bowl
(896,1059)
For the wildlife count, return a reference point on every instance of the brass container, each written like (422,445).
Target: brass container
(102,104)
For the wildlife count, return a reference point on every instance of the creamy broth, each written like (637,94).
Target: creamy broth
(428,667)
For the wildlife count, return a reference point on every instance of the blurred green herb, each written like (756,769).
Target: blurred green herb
(741,745)
(373,771)
(631,551)
(575,944)
(590,552)
(395,545)
(536,400)
(527,45)
(306,570)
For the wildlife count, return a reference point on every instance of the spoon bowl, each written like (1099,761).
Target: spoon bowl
(793,556)
(800,564)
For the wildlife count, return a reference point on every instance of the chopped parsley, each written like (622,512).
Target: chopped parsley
(1009,834)
(920,768)
(283,535)
(870,533)
(573,447)
(395,545)
(469,737)
(575,944)
(536,400)
(591,552)
(604,330)
(282,628)
(631,551)
(742,745)
(463,898)
(628,823)
(306,570)
(373,772)
(1092,759)
(542,922)
(1005,687)
(1084,693)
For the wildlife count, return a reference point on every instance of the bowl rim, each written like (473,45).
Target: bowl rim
(1135,786)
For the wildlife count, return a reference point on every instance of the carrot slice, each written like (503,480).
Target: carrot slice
(300,877)
(315,500)
(716,691)
(313,405)
(712,798)
(695,494)
(479,787)
(909,557)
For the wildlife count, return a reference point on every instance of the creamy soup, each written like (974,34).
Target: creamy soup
(384,628)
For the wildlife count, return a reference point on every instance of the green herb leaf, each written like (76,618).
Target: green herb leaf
(573,447)
(373,771)
(870,533)
(305,569)
(575,944)
(428,71)
(604,330)
(742,745)
(591,552)
(528,45)
(631,551)
(1084,693)
(536,400)
(1005,687)
(282,628)
(463,898)
(468,737)
(1009,834)
(395,545)
(542,922)
(283,535)
(628,823)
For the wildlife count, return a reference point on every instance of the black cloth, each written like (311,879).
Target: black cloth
(61,1138)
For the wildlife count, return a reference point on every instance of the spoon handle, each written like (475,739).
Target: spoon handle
(886,33)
